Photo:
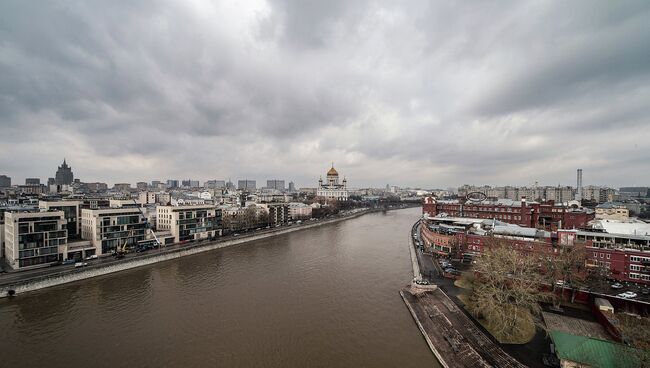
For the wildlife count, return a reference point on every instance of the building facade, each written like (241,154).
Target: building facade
(188,223)
(246,184)
(5,181)
(612,211)
(523,213)
(275,184)
(64,175)
(33,239)
(331,188)
(71,211)
(108,228)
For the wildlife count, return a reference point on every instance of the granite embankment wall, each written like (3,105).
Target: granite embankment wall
(414,259)
(71,275)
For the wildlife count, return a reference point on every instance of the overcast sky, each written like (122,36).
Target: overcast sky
(410,93)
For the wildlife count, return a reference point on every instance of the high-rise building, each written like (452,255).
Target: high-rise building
(64,175)
(579,186)
(275,184)
(32,181)
(5,181)
(215,184)
(292,186)
(171,183)
(246,184)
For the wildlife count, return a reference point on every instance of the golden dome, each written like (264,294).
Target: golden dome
(332,172)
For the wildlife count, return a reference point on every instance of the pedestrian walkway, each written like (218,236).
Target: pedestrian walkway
(454,337)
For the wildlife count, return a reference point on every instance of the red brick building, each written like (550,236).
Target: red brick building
(623,257)
(545,215)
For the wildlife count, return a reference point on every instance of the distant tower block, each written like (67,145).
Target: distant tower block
(579,186)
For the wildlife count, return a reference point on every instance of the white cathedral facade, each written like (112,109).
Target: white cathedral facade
(332,189)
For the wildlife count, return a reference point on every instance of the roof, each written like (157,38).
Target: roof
(594,352)
(610,205)
(623,227)
(332,171)
(515,230)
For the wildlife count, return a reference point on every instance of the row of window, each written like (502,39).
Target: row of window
(602,255)
(639,276)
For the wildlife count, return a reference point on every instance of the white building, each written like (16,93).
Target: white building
(188,223)
(332,189)
(299,211)
(34,239)
(108,228)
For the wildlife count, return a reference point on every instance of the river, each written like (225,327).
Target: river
(322,297)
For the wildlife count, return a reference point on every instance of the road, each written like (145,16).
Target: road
(12,277)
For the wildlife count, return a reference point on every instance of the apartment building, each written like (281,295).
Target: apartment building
(187,223)
(34,239)
(108,228)
(72,214)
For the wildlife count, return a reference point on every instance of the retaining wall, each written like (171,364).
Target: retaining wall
(71,275)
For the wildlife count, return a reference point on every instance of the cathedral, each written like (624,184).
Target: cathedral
(332,189)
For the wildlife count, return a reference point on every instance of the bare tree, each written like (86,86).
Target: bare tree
(506,288)
(227,223)
(567,269)
(635,331)
(250,217)
(263,218)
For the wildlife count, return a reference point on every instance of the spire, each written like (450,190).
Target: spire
(332,164)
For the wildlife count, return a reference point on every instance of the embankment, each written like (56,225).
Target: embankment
(58,277)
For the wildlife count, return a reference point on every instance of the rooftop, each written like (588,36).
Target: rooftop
(593,352)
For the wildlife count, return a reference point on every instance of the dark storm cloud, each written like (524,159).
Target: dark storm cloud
(439,93)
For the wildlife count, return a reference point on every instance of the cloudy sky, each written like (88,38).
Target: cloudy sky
(417,93)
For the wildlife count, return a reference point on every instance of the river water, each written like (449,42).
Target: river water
(322,297)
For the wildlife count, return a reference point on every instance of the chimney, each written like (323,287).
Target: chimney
(579,186)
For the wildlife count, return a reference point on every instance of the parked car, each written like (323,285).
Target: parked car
(560,283)
(645,291)
(68,262)
(627,295)
(94,256)
(80,264)
(617,286)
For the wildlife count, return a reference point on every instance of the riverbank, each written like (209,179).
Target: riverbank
(450,333)
(47,278)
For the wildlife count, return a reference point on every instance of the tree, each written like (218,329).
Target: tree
(568,266)
(506,290)
(250,217)
(227,223)
(263,218)
(635,332)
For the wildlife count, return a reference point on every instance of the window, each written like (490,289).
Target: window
(608,255)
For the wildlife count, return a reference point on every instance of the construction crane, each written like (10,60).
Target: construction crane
(120,251)
(147,224)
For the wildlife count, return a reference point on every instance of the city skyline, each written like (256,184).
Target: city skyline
(234,179)
(419,95)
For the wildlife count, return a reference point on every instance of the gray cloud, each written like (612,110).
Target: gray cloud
(410,94)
